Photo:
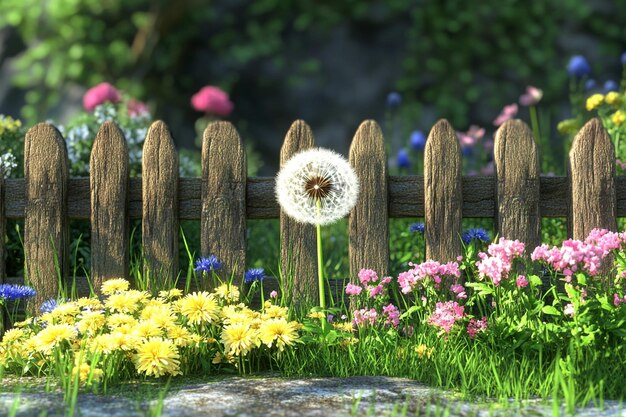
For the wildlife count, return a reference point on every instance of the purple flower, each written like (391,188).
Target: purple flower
(609,86)
(10,292)
(254,274)
(394,99)
(418,140)
(211,263)
(623,58)
(48,306)
(479,234)
(578,66)
(403,159)
(416,227)
(590,84)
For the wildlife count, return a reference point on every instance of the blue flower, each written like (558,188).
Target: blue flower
(416,227)
(254,274)
(623,58)
(403,159)
(208,264)
(10,292)
(479,234)
(48,306)
(394,99)
(609,86)
(418,140)
(578,66)
(590,84)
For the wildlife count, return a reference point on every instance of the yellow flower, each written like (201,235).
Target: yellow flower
(91,322)
(316,315)
(84,370)
(111,286)
(238,338)
(220,358)
(89,303)
(199,308)
(160,314)
(238,314)
(594,101)
(120,319)
(12,335)
(349,342)
(618,117)
(170,294)
(122,302)
(63,314)
(146,328)
(275,312)
(179,335)
(423,351)
(344,327)
(157,357)
(612,98)
(228,293)
(52,336)
(278,331)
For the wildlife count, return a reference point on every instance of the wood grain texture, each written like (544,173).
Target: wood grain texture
(108,166)
(443,197)
(369,220)
(3,227)
(223,217)
(159,171)
(298,242)
(46,228)
(516,161)
(592,181)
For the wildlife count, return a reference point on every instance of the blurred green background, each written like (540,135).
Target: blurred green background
(330,63)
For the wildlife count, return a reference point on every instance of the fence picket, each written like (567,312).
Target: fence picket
(369,220)
(592,181)
(3,227)
(108,166)
(298,249)
(517,184)
(46,229)
(159,171)
(443,193)
(223,217)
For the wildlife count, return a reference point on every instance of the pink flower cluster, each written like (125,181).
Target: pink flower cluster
(364,316)
(370,282)
(476,326)
(496,263)
(574,255)
(100,94)
(521,281)
(429,270)
(459,290)
(212,100)
(446,315)
(390,314)
(617,300)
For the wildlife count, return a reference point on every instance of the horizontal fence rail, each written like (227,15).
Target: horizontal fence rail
(223,198)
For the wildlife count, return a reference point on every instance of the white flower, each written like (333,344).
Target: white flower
(317,175)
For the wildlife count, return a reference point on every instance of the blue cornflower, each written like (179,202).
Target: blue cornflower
(479,234)
(609,86)
(578,66)
(416,227)
(211,263)
(590,84)
(254,274)
(48,306)
(10,292)
(418,140)
(394,99)
(403,160)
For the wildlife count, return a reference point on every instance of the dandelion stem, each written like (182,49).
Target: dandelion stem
(320,264)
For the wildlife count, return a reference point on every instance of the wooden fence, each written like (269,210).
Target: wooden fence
(223,198)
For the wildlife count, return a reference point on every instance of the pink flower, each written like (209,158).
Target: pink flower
(137,108)
(367,275)
(273,294)
(352,289)
(569,310)
(212,100)
(393,315)
(532,97)
(521,281)
(362,317)
(446,315)
(459,290)
(475,326)
(471,137)
(99,94)
(375,291)
(507,113)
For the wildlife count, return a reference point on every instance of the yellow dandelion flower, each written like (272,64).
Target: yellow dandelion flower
(65,313)
(423,351)
(160,314)
(275,312)
(120,319)
(195,339)
(85,371)
(618,117)
(228,293)
(210,340)
(348,342)
(24,323)
(89,303)
(612,98)
(237,314)
(52,336)
(91,322)
(279,332)
(199,308)
(316,315)
(594,101)
(157,357)
(146,329)
(122,302)
(239,338)
(221,358)
(344,327)
(124,341)
(111,286)
(170,294)
(179,335)
(13,335)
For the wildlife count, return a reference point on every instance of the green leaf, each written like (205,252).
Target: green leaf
(551,310)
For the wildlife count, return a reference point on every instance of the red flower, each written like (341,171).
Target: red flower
(99,94)
(212,100)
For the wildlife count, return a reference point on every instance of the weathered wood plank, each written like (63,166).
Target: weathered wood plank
(46,229)
(223,217)
(369,220)
(517,170)
(443,197)
(108,166)
(592,181)
(298,248)
(159,226)
(406,197)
